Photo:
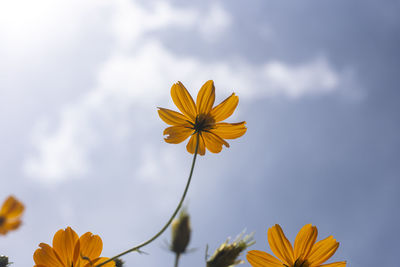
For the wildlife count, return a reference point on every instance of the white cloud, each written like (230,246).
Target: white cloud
(141,78)
(150,71)
(214,23)
(156,164)
(62,152)
(32,27)
(131,21)
(316,76)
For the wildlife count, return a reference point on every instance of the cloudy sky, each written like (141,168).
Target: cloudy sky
(81,143)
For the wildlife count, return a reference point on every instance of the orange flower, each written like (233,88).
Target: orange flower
(69,250)
(306,252)
(10,215)
(201,119)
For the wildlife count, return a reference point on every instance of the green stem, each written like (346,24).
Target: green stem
(177,256)
(169,221)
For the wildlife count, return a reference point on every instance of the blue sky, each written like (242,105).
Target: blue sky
(81,142)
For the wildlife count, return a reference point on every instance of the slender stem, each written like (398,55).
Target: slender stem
(177,256)
(170,219)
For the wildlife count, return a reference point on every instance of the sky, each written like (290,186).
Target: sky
(81,143)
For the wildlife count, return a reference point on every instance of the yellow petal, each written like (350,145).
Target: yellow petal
(172,117)
(177,134)
(183,100)
(64,244)
(191,146)
(322,251)
(46,256)
(305,240)
(3,230)
(12,225)
(335,264)
(202,146)
(225,109)
(213,142)
(262,259)
(229,130)
(280,245)
(11,208)
(205,98)
(91,245)
(77,258)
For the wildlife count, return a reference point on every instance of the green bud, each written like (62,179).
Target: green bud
(118,263)
(4,261)
(226,255)
(180,232)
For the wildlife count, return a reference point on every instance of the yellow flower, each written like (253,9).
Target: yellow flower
(201,119)
(69,250)
(10,215)
(306,252)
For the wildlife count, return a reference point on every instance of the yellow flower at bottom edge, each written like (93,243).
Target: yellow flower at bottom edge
(69,250)
(306,252)
(201,119)
(10,215)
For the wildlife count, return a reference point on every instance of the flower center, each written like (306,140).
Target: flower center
(301,263)
(203,122)
(2,220)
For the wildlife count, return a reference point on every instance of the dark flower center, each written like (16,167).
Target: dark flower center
(301,263)
(2,220)
(203,122)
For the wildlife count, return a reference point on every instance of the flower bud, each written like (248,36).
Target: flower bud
(180,233)
(226,255)
(118,263)
(3,261)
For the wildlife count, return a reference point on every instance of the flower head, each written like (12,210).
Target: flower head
(306,252)
(10,215)
(201,120)
(69,250)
